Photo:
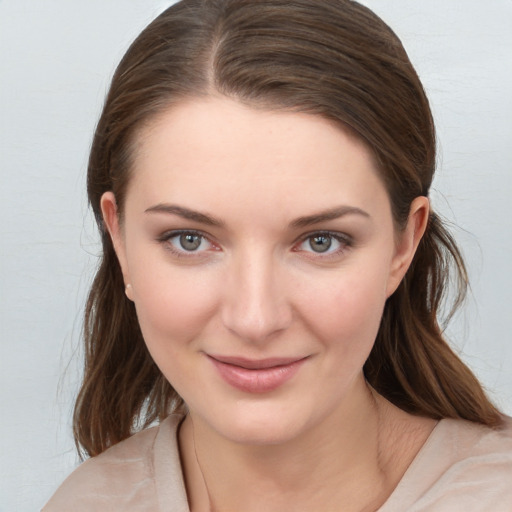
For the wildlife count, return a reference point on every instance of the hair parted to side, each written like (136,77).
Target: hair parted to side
(333,58)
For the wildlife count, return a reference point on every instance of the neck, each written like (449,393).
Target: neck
(340,460)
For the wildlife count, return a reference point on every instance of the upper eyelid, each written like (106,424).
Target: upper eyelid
(166,235)
(334,234)
(173,233)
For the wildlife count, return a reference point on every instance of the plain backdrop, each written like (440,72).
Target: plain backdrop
(56,59)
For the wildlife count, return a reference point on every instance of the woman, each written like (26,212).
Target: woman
(271,278)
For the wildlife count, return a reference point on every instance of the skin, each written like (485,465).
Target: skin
(257,287)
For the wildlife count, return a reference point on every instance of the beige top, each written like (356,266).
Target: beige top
(462,467)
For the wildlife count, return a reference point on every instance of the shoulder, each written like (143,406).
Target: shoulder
(478,475)
(472,446)
(462,466)
(124,477)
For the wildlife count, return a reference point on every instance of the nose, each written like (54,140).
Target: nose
(255,306)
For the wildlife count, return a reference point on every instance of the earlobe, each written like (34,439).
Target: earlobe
(111,219)
(408,242)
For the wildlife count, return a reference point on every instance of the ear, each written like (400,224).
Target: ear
(111,219)
(408,241)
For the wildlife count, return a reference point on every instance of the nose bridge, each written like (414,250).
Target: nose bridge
(255,305)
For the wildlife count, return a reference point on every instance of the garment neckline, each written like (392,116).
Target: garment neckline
(171,472)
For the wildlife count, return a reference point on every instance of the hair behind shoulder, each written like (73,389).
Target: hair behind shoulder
(411,363)
(335,59)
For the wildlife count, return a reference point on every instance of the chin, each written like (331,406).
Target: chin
(273,434)
(258,424)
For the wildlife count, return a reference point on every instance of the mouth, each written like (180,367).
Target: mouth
(256,376)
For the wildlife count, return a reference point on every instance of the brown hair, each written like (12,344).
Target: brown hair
(333,58)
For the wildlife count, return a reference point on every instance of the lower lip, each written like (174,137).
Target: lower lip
(258,380)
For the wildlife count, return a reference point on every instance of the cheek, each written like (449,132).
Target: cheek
(174,310)
(173,304)
(346,310)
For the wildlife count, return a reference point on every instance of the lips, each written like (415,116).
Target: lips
(256,376)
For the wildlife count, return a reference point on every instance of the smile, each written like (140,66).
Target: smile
(256,376)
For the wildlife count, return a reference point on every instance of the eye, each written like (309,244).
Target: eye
(324,243)
(183,242)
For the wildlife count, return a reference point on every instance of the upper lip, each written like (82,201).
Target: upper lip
(256,364)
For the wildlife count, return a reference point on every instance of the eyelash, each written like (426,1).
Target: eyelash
(166,238)
(345,242)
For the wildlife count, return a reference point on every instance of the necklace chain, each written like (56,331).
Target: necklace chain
(210,501)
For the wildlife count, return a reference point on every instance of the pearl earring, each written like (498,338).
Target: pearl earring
(127,290)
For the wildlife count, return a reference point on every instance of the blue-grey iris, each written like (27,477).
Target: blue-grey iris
(320,243)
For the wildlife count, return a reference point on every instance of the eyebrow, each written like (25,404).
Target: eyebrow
(301,222)
(186,213)
(331,214)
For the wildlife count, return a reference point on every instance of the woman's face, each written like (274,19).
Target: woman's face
(260,250)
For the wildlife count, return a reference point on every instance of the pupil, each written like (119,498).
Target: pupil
(320,243)
(190,242)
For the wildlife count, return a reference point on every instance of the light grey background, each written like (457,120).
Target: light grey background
(56,58)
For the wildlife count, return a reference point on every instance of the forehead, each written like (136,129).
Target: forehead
(211,148)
